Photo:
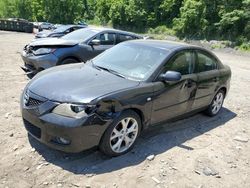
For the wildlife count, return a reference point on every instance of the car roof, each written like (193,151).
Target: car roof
(101,29)
(166,45)
(75,25)
(72,25)
(171,46)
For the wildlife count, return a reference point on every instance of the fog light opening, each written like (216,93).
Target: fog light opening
(61,140)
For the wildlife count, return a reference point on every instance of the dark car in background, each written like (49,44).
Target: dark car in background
(59,32)
(108,101)
(18,19)
(78,46)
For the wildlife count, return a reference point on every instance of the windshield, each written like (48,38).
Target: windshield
(61,28)
(133,61)
(80,34)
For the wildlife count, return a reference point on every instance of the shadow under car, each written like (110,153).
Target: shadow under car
(155,140)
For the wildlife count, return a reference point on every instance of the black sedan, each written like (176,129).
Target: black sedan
(78,46)
(59,32)
(108,101)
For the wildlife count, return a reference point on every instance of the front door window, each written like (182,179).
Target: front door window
(106,38)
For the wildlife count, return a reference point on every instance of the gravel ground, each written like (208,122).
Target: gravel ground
(196,152)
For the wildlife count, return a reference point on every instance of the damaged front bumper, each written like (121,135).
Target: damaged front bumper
(34,64)
(59,132)
(29,69)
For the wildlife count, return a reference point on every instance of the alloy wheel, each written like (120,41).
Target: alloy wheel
(217,103)
(124,135)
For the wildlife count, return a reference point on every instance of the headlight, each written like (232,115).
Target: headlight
(73,110)
(42,51)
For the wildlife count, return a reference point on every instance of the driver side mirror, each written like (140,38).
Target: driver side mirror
(95,42)
(170,76)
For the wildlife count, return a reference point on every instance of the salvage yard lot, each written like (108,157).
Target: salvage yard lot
(196,152)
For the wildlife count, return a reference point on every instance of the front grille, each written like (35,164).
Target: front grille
(32,129)
(33,102)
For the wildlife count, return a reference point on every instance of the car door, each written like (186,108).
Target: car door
(172,99)
(208,78)
(107,40)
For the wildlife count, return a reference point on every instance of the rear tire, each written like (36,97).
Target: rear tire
(216,104)
(121,135)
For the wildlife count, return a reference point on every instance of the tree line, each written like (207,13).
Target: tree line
(195,19)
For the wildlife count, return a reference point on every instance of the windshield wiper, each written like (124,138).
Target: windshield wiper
(109,70)
(116,73)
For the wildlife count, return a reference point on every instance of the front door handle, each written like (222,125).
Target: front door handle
(216,79)
(189,83)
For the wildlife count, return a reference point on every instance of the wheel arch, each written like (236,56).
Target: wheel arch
(70,57)
(102,144)
(139,113)
(224,89)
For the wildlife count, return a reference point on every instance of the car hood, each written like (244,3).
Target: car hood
(54,42)
(78,83)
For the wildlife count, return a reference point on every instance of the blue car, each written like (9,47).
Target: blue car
(78,46)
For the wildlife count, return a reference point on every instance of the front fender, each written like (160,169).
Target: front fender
(136,99)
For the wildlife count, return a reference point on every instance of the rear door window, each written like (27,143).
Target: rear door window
(205,62)
(123,37)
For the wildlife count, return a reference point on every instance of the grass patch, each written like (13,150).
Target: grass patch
(161,30)
(244,47)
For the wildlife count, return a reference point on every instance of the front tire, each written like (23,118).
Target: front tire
(121,135)
(68,61)
(216,104)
